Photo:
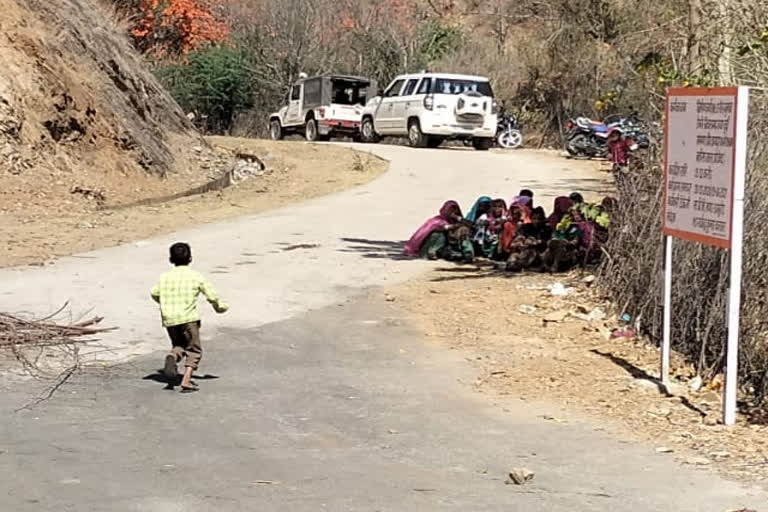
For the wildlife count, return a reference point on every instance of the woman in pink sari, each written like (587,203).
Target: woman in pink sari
(449,214)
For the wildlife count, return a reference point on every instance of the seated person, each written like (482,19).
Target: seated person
(509,232)
(566,248)
(527,193)
(531,241)
(454,244)
(481,207)
(446,220)
(561,207)
(488,227)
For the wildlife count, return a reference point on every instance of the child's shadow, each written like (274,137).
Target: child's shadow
(170,384)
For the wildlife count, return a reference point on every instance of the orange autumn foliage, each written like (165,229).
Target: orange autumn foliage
(177,26)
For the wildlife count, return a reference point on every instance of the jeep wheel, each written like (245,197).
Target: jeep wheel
(310,131)
(368,131)
(276,130)
(416,138)
(482,144)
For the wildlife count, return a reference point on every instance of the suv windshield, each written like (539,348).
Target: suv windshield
(459,86)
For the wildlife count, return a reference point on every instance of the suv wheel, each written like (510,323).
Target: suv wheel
(310,131)
(482,144)
(275,130)
(416,138)
(368,131)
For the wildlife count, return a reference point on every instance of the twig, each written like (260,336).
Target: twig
(48,393)
(57,313)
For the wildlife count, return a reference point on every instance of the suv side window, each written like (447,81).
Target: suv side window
(410,87)
(424,86)
(295,92)
(394,89)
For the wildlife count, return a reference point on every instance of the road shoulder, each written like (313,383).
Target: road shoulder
(527,344)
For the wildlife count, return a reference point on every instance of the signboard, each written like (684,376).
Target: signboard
(699,172)
(704,173)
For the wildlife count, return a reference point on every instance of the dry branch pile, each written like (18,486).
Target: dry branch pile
(18,332)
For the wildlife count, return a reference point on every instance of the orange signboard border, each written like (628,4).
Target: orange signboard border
(686,235)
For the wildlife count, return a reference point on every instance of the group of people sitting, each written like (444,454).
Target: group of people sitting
(520,235)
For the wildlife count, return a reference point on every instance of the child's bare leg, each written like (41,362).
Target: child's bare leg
(186,381)
(193,352)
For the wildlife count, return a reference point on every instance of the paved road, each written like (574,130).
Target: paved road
(320,396)
(258,262)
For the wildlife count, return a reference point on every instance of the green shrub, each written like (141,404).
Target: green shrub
(214,83)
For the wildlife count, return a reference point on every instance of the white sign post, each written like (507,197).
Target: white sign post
(704,173)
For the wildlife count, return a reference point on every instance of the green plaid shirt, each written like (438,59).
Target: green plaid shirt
(177,293)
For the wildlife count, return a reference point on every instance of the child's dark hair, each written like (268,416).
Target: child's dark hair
(181,254)
(526,193)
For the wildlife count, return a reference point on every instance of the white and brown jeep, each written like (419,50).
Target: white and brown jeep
(322,107)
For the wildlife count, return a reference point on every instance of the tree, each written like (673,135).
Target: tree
(176,27)
(215,83)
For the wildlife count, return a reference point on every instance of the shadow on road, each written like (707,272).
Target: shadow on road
(160,377)
(479,270)
(385,249)
(376,249)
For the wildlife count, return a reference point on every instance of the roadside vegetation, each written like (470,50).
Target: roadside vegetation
(230,63)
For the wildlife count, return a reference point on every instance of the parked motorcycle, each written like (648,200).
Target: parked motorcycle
(508,133)
(588,138)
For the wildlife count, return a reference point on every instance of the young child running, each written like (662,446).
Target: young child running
(177,292)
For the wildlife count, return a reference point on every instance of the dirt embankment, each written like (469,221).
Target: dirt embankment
(295,171)
(85,127)
(79,108)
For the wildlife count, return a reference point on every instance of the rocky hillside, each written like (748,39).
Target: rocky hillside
(79,111)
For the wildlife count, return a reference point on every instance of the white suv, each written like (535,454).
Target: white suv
(429,108)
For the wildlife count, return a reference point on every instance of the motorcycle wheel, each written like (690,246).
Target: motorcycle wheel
(510,139)
(576,145)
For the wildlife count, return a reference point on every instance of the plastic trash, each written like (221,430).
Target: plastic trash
(558,290)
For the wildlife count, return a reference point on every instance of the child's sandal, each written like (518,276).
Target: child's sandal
(189,389)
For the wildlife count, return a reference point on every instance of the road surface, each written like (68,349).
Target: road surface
(275,265)
(318,395)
